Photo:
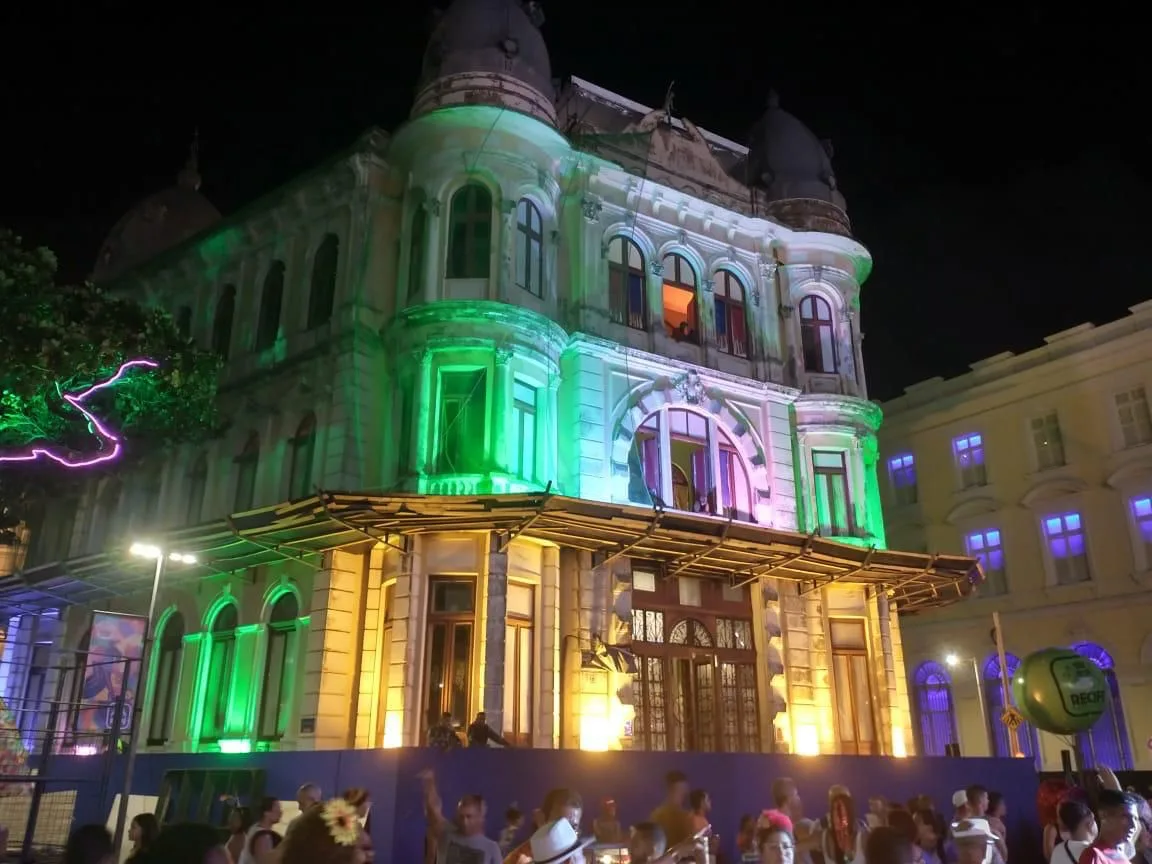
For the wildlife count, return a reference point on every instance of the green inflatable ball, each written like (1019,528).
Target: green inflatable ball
(1059,691)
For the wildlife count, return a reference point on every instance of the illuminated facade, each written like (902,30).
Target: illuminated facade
(540,406)
(1039,464)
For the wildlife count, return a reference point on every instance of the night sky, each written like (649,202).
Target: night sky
(995,160)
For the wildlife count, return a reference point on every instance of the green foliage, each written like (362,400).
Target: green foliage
(63,338)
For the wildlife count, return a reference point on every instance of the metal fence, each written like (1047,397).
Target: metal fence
(65,705)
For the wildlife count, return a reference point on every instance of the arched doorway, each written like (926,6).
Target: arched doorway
(695,682)
(689,462)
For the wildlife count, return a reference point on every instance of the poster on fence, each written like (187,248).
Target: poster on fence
(112,640)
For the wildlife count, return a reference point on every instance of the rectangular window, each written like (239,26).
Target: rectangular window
(1067,545)
(524,420)
(279,672)
(1047,441)
(833,505)
(986,547)
(462,423)
(902,475)
(1142,516)
(1135,421)
(448,664)
(968,451)
(518,665)
(853,686)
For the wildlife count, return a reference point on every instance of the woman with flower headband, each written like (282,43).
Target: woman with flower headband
(327,834)
(774,843)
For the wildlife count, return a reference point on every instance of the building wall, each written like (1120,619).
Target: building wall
(1097,463)
(374,376)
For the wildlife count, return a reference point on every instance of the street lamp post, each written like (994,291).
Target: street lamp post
(143,550)
(953,661)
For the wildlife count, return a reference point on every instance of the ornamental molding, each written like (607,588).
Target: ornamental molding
(823,409)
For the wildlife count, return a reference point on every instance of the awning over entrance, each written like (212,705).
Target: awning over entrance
(673,542)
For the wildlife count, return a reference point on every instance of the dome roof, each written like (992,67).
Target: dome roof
(788,161)
(488,52)
(156,224)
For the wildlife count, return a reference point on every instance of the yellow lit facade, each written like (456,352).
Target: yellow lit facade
(1039,464)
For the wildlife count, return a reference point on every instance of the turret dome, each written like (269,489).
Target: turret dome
(488,52)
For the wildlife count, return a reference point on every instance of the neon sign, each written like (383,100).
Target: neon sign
(106,436)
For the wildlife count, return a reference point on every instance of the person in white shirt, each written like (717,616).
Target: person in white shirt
(1078,830)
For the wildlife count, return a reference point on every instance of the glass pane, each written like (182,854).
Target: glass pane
(862,699)
(434,695)
(461,669)
(524,670)
(841,674)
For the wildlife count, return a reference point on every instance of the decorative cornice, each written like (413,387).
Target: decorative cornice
(1051,489)
(532,328)
(971,508)
(860,413)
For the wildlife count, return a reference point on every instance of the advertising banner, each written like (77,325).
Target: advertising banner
(112,640)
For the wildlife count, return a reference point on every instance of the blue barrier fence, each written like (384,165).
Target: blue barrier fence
(737,784)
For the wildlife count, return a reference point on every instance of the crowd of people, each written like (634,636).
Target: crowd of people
(1112,826)
(325,832)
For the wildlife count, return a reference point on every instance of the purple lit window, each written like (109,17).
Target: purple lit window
(1142,514)
(1026,736)
(986,547)
(968,451)
(902,474)
(1066,544)
(934,709)
(1106,743)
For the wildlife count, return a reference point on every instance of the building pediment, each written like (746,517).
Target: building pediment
(683,152)
(972,508)
(1052,489)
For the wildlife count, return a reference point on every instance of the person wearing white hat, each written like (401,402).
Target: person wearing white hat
(558,843)
(974,841)
(959,805)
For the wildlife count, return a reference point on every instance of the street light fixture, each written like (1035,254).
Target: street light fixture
(161,556)
(954,661)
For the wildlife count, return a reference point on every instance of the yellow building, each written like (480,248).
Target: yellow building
(1040,465)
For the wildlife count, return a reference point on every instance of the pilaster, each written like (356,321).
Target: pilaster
(432,259)
(370,688)
(330,664)
(405,653)
(425,405)
(495,621)
(546,728)
(501,408)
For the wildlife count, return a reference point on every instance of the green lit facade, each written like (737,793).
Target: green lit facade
(514,302)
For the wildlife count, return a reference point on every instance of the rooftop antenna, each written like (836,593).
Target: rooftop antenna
(669,101)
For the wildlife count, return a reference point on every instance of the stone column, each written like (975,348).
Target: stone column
(496,606)
(424,407)
(330,664)
(819,662)
(183,736)
(501,412)
(546,728)
(403,717)
(571,560)
(432,259)
(549,440)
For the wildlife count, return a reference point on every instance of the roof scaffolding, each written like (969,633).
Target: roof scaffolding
(673,542)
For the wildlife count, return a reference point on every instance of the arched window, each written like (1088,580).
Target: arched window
(322,295)
(221,669)
(935,709)
(627,297)
(994,700)
(529,248)
(271,301)
(731,321)
(817,335)
(695,681)
(417,242)
(222,321)
(197,485)
(247,464)
(184,322)
(1106,743)
(166,679)
(470,233)
(279,668)
(303,449)
(681,315)
(685,458)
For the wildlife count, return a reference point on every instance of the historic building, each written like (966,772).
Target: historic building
(546,404)
(1040,466)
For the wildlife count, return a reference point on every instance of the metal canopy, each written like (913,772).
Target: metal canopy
(673,543)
